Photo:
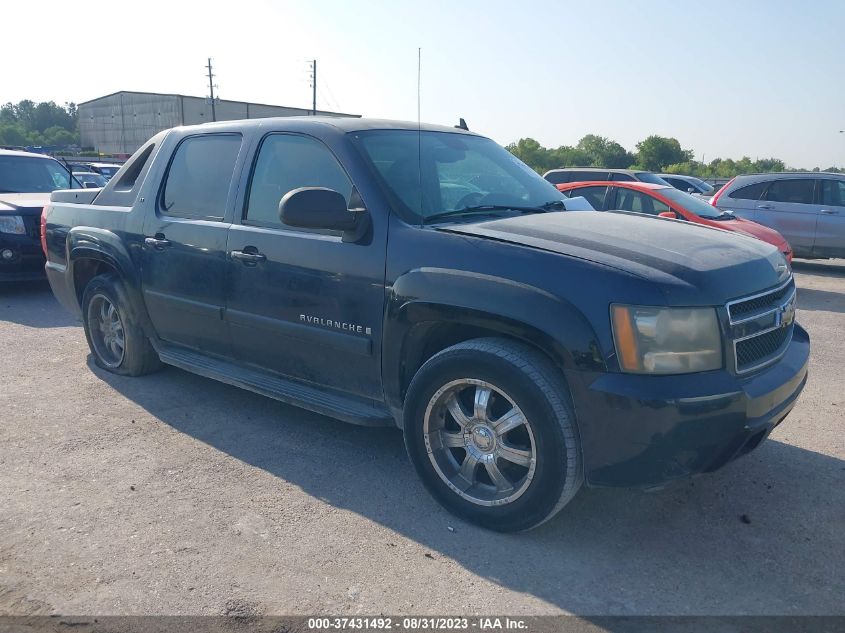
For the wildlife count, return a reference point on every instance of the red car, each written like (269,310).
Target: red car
(668,202)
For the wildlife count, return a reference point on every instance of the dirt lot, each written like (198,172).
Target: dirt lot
(176,494)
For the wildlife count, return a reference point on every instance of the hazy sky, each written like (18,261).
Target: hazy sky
(761,78)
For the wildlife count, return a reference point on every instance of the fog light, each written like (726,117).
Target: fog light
(7,253)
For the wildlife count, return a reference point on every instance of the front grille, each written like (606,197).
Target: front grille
(770,300)
(753,351)
(761,326)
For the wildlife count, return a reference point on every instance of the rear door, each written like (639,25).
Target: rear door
(830,230)
(184,251)
(301,302)
(788,206)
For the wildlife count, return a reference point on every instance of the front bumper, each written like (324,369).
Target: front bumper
(27,262)
(647,430)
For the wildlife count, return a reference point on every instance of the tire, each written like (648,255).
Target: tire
(516,413)
(117,342)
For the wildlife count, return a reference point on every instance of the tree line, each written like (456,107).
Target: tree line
(655,153)
(27,123)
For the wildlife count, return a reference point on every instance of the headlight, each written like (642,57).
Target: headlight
(12,224)
(666,340)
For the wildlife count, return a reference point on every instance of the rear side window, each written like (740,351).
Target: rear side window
(833,193)
(199,176)
(583,176)
(594,195)
(133,168)
(557,177)
(750,192)
(793,190)
(287,162)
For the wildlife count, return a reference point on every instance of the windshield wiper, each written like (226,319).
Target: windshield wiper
(552,205)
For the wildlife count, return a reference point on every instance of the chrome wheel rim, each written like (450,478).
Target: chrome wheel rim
(107,333)
(479,442)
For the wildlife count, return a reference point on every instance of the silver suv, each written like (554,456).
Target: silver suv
(808,209)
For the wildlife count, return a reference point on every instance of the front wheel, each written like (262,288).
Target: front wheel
(491,432)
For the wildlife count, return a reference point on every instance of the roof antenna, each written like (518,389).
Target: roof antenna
(462,125)
(419,134)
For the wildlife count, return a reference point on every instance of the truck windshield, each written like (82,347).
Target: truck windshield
(24,174)
(432,173)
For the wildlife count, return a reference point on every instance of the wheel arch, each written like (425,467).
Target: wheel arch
(457,309)
(93,252)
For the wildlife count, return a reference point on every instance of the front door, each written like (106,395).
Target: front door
(184,260)
(830,230)
(303,303)
(788,207)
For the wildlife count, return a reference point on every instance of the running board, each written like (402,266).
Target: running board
(347,408)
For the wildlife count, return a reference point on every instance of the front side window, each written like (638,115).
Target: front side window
(25,174)
(619,177)
(690,203)
(427,173)
(638,202)
(793,190)
(833,193)
(286,162)
(199,176)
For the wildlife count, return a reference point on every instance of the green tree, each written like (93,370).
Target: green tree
(603,152)
(657,152)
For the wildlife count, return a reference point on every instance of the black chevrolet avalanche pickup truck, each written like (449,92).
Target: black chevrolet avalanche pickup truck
(384,273)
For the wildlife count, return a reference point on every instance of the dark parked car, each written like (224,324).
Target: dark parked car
(579,174)
(26,181)
(689,184)
(90,179)
(106,170)
(808,209)
(387,273)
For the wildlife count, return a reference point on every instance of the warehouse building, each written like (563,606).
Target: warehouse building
(121,122)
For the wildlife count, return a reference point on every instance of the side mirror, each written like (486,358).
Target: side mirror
(668,214)
(319,208)
(90,185)
(690,190)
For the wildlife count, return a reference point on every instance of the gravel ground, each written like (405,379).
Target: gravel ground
(176,494)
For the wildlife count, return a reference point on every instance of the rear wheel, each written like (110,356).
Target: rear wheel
(117,342)
(491,432)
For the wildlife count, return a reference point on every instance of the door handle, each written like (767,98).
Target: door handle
(158,243)
(248,258)
(765,206)
(829,212)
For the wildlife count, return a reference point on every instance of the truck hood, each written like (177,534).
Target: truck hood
(23,203)
(694,264)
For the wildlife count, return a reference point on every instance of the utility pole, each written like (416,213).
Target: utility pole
(314,88)
(211,88)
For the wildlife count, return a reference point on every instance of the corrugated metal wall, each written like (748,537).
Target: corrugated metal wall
(122,122)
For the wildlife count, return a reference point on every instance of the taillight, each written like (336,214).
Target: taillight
(44,230)
(715,198)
